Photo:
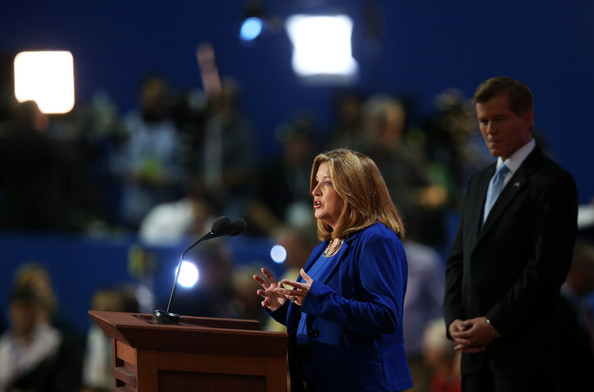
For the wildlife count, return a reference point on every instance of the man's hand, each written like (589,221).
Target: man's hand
(472,336)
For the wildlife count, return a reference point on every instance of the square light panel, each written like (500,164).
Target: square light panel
(46,77)
(322,45)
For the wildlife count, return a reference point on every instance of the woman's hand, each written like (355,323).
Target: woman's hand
(299,292)
(272,300)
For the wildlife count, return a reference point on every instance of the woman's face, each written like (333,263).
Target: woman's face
(327,204)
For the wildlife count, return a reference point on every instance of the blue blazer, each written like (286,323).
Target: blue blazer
(354,316)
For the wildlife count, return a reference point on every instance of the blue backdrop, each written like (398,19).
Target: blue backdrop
(413,49)
(78,266)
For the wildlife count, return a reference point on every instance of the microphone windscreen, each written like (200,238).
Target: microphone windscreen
(221,226)
(238,226)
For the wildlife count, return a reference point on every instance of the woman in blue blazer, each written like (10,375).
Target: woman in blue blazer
(344,312)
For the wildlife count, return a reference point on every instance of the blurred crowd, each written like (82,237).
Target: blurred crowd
(181,158)
(169,168)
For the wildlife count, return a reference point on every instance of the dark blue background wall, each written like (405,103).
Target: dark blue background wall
(422,47)
(78,266)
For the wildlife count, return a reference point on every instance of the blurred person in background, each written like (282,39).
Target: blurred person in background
(29,349)
(281,198)
(586,220)
(228,154)
(34,171)
(34,275)
(147,161)
(98,358)
(190,216)
(440,358)
(453,148)
(92,131)
(577,346)
(422,304)
(219,143)
(347,128)
(403,166)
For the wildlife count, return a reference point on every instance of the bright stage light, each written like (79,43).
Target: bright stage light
(322,45)
(251,28)
(278,254)
(188,276)
(46,77)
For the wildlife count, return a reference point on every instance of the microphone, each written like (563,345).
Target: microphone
(222,226)
(237,227)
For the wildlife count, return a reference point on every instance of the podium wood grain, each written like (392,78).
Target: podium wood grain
(200,354)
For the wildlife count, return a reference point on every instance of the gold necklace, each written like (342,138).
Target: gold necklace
(328,252)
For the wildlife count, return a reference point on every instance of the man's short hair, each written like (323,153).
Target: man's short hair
(519,95)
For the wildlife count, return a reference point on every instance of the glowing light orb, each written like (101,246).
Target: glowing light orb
(278,254)
(189,275)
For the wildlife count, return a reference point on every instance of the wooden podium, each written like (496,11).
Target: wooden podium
(200,354)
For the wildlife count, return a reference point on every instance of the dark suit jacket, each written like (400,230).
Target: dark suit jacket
(354,316)
(510,270)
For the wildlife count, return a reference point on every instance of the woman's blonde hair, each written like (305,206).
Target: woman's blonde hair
(358,182)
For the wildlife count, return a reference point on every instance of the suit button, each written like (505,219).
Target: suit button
(314,333)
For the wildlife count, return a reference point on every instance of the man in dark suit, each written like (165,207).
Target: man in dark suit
(507,264)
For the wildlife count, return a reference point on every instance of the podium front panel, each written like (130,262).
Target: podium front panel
(194,356)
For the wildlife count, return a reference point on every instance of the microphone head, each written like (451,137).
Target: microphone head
(221,226)
(237,227)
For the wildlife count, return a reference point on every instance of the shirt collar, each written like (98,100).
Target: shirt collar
(516,159)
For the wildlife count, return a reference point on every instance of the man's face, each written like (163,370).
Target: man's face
(503,130)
